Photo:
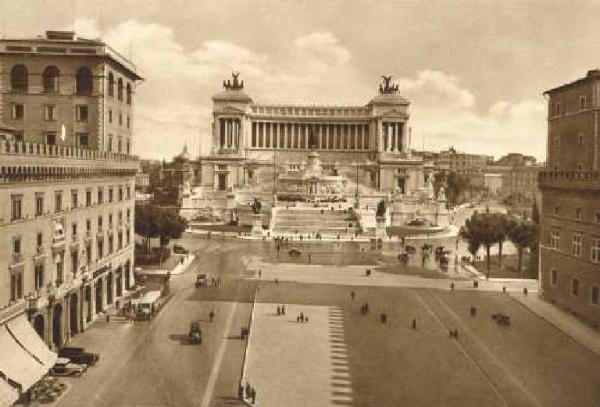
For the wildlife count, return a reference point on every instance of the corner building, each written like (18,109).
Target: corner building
(67,181)
(570,190)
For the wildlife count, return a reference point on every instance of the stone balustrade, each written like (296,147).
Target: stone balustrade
(13,309)
(73,152)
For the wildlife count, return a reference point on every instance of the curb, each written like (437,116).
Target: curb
(246,348)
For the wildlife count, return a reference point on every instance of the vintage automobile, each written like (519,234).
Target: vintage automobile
(64,367)
(501,319)
(201,280)
(195,333)
(178,249)
(79,356)
(294,252)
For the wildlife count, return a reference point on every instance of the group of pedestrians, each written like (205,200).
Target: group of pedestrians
(301,317)
(247,392)
(215,282)
(281,310)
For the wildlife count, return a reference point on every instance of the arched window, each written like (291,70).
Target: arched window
(19,78)
(129,93)
(50,78)
(83,81)
(111,85)
(575,287)
(120,89)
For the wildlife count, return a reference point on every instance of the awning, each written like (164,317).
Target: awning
(8,394)
(16,363)
(28,338)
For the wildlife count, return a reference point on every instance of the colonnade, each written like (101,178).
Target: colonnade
(392,135)
(229,132)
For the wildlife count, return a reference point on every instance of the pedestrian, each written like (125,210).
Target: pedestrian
(504,289)
(253,395)
(414,323)
(242,333)
(473,311)
(278,310)
(283,310)
(107,317)
(259,273)
(525,290)
(276,281)
(248,390)
(452,286)
(241,393)
(383,317)
(352,294)
(211,315)
(301,316)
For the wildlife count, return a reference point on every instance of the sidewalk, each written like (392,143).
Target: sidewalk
(178,269)
(571,326)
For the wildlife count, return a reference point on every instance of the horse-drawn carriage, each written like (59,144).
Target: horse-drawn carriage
(195,333)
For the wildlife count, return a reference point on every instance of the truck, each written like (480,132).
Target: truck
(147,306)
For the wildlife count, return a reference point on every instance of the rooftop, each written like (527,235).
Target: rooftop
(592,74)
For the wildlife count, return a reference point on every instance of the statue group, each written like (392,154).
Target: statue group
(255,206)
(387,88)
(380,209)
(235,85)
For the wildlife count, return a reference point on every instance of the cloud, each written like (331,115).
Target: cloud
(444,114)
(173,104)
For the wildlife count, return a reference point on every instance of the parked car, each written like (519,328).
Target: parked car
(64,367)
(79,356)
(201,280)
(178,249)
(294,252)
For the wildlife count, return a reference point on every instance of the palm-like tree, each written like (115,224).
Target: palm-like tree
(522,235)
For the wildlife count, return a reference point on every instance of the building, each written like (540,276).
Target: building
(175,179)
(254,144)
(570,189)
(67,180)
(462,163)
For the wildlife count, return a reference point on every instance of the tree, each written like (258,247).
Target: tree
(480,230)
(457,185)
(158,222)
(522,235)
(501,224)
(533,245)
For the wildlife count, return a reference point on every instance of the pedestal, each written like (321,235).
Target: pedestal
(257,224)
(380,231)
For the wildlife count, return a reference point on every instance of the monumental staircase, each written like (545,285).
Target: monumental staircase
(310,221)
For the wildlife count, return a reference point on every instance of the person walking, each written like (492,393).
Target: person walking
(259,273)
(253,395)
(414,323)
(352,294)
(241,393)
(248,390)
(278,311)
(211,315)
(283,310)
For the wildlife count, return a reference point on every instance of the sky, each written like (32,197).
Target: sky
(473,70)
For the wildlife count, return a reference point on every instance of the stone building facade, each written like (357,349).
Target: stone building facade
(570,188)
(68,182)
(253,144)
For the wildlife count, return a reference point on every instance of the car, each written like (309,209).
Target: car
(195,333)
(294,252)
(178,249)
(64,367)
(201,280)
(79,356)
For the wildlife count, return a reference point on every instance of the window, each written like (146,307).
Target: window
(128,192)
(18,111)
(575,287)
(556,210)
(582,102)
(128,122)
(595,250)
(110,194)
(128,147)
(88,225)
(120,193)
(120,144)
(553,277)
(120,89)
(595,295)
(110,243)
(110,116)
(110,220)
(50,113)
(16,286)
(74,229)
(83,82)
(111,85)
(39,276)
(74,261)
(597,217)
(16,206)
(581,139)
(88,253)
(128,214)
(554,239)
(576,244)
(58,202)
(128,96)
(110,143)
(579,167)
(120,240)
(88,198)
(100,195)
(39,204)
(17,245)
(99,223)
(50,79)
(81,113)
(100,249)
(40,239)
(120,119)
(557,108)
(74,198)
(120,217)
(578,212)
(51,139)
(59,273)
(19,79)
(83,140)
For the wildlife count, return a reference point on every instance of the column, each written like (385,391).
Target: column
(327,136)
(309,131)
(285,133)
(276,135)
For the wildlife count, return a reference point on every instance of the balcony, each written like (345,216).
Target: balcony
(37,300)
(40,252)
(588,181)
(58,244)
(74,245)
(88,236)
(17,261)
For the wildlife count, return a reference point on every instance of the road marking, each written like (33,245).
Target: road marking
(216,368)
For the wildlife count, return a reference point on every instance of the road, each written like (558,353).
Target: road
(152,364)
